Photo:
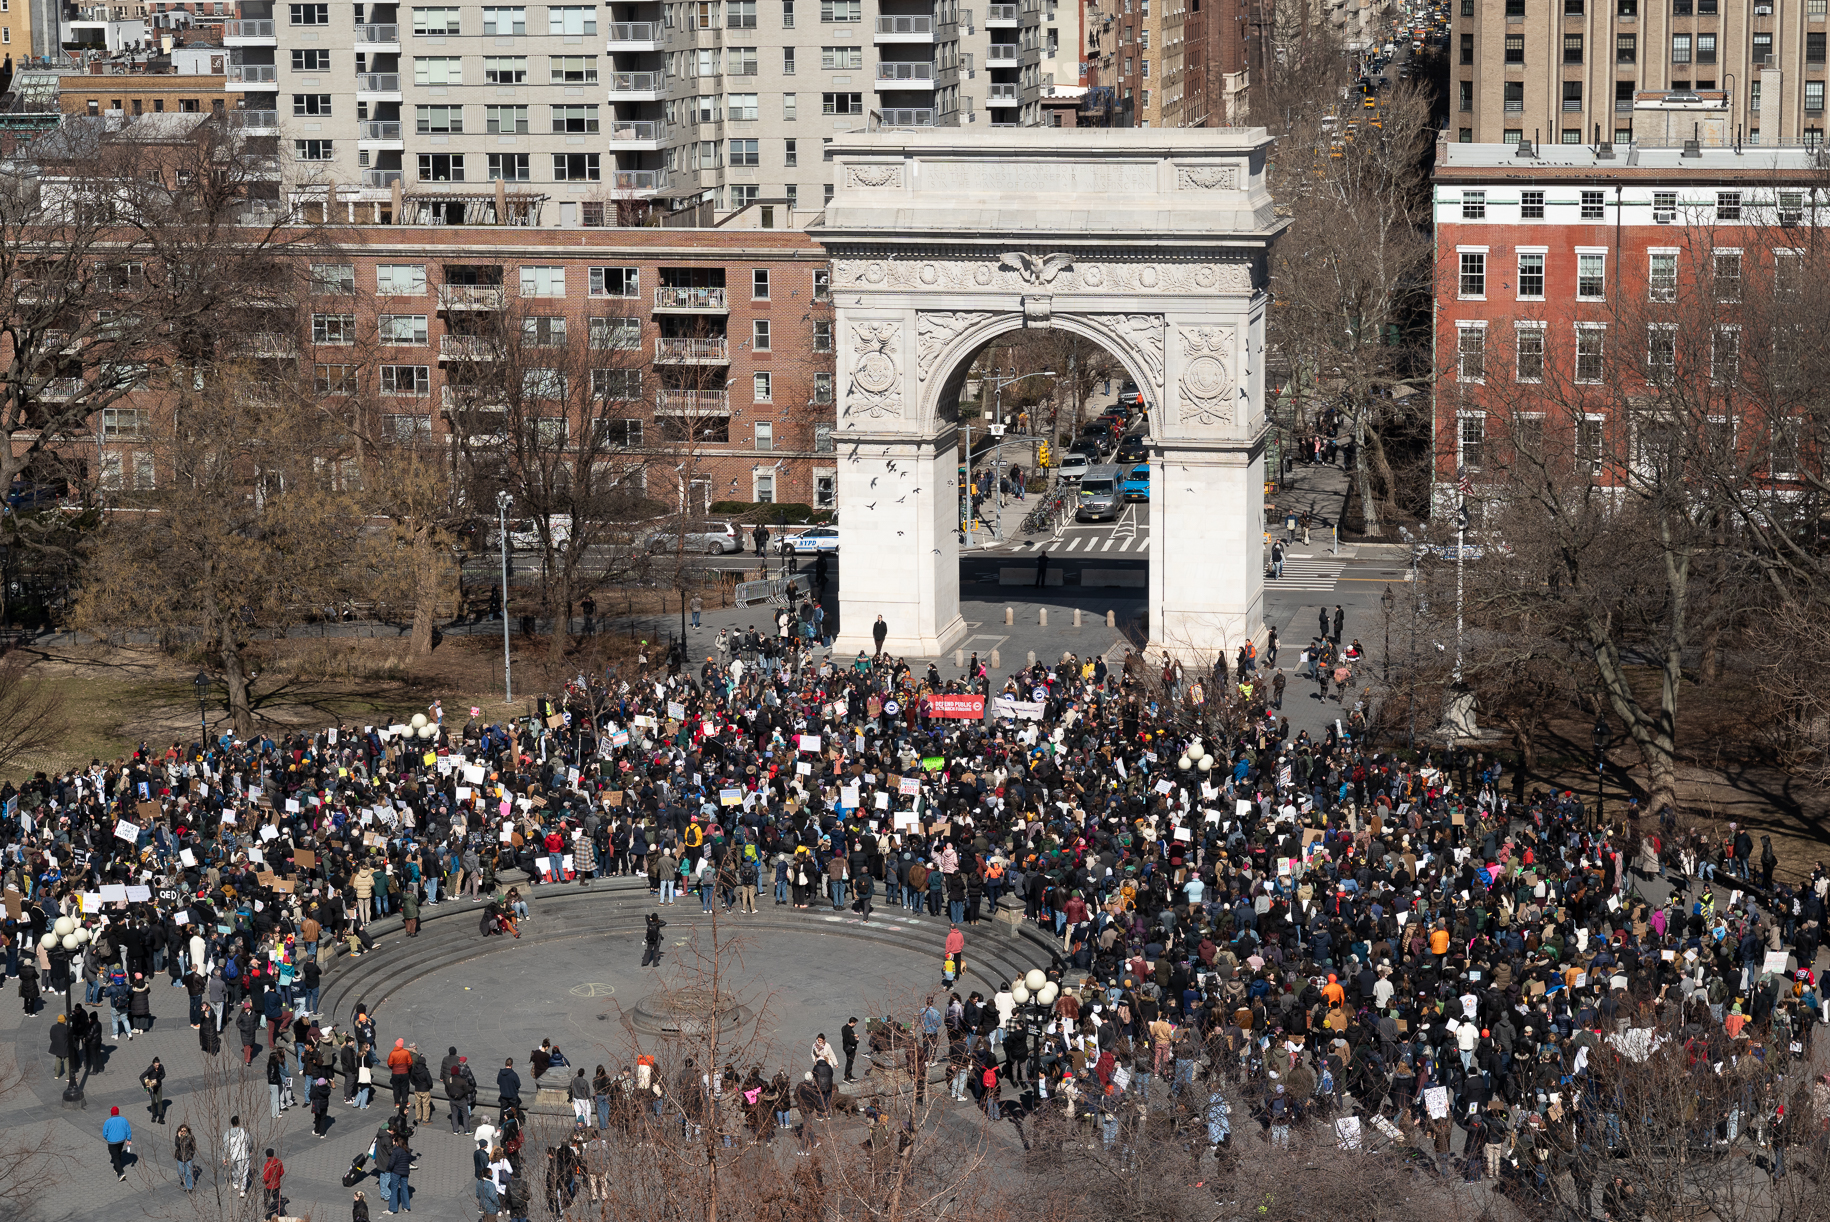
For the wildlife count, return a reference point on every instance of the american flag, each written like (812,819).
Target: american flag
(1461,479)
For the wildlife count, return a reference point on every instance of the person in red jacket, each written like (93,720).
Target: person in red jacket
(271,1176)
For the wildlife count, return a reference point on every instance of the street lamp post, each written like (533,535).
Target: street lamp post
(503,501)
(1602,737)
(202,684)
(67,937)
(1385,659)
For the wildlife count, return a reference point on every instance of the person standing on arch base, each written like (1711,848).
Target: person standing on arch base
(1041,568)
(879,632)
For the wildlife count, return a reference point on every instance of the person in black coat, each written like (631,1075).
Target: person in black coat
(60,1045)
(320,1106)
(508,1086)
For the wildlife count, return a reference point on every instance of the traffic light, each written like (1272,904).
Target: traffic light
(1042,455)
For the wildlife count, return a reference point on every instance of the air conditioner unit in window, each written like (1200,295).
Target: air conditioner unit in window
(1763,10)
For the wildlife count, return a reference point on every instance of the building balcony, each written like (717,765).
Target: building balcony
(635,86)
(641,182)
(463,297)
(1000,16)
(904,117)
(690,301)
(378,86)
(379,134)
(255,122)
(61,390)
(634,36)
(713,350)
(467,348)
(381,180)
(249,34)
(915,28)
(268,345)
(1004,95)
(692,403)
(1001,55)
(892,76)
(243,77)
(378,37)
(635,135)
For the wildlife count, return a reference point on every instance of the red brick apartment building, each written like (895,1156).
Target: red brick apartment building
(727,334)
(1587,295)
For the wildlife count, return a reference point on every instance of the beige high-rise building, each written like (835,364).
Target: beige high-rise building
(1565,71)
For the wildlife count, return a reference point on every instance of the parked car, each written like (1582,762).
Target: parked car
(1074,466)
(524,533)
(814,540)
(707,538)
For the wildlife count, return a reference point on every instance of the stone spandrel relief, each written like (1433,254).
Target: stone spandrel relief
(935,332)
(1141,335)
(875,391)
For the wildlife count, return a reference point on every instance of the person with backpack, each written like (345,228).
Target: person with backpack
(748,874)
(461,1091)
(1282,1110)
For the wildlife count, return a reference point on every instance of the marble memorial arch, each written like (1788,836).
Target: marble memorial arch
(1150,243)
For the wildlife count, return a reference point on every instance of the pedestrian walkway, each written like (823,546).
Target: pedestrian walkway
(1306,573)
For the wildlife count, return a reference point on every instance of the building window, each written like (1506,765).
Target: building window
(400,279)
(571,19)
(543,281)
(1531,205)
(1814,98)
(759,334)
(745,153)
(573,69)
(500,22)
(312,150)
(309,14)
(790,154)
(1471,352)
(1467,48)
(615,334)
(762,389)
(1530,340)
(1814,48)
(1589,344)
(1591,275)
(406,379)
(439,120)
(505,120)
(1515,48)
(577,167)
(317,105)
(1465,95)
(505,69)
(822,335)
(1661,275)
(1470,437)
(1661,350)
(1664,206)
(125,423)
(759,284)
(1515,97)
(841,12)
(765,430)
(1572,97)
(1572,48)
(1473,274)
(841,103)
(841,59)
(438,70)
(825,488)
(765,487)
(435,22)
(543,331)
(822,285)
(615,282)
(1594,205)
(617,384)
(402,329)
(1473,205)
(1589,430)
(1727,271)
(508,167)
(822,388)
(575,120)
(1531,276)
(1680,48)
(1728,205)
(1725,354)
(1626,49)
(441,167)
(1706,48)
(333,278)
(1792,203)
(333,328)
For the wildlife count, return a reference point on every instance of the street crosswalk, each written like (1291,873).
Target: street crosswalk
(1086,545)
(1306,573)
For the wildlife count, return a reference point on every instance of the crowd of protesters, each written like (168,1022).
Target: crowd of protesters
(1300,925)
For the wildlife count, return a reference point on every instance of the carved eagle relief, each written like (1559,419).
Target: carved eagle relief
(1033,270)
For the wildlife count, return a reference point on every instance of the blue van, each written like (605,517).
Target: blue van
(1137,484)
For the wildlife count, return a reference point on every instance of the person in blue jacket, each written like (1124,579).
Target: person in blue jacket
(119,1136)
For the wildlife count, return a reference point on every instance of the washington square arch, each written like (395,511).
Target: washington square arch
(1150,243)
